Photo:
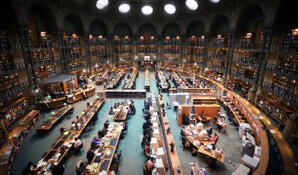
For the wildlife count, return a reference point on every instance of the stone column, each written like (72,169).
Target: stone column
(87,51)
(205,54)
(27,64)
(229,58)
(62,51)
(26,36)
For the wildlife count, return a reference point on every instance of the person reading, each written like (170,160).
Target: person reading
(150,165)
(214,138)
(77,144)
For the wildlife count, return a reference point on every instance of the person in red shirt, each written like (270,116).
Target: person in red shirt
(150,164)
(214,138)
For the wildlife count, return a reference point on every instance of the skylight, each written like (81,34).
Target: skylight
(101,4)
(147,10)
(170,9)
(191,4)
(124,8)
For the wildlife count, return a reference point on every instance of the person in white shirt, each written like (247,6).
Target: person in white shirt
(77,144)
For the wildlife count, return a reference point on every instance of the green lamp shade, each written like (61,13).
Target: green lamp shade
(91,104)
(95,165)
(53,113)
(83,113)
(49,96)
(66,133)
(97,96)
(64,104)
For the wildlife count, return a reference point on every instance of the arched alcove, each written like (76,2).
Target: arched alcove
(122,29)
(42,17)
(219,25)
(98,27)
(195,28)
(147,28)
(172,30)
(73,24)
(249,18)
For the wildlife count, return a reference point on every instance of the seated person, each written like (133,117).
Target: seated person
(204,117)
(221,119)
(80,167)
(69,92)
(77,144)
(106,124)
(100,134)
(125,126)
(90,155)
(95,142)
(117,156)
(150,165)
(147,150)
(214,138)
(78,126)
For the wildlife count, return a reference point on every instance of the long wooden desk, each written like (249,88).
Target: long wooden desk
(132,80)
(211,153)
(196,91)
(107,150)
(50,122)
(287,154)
(121,113)
(64,143)
(175,166)
(51,104)
(80,94)
(147,80)
(114,82)
(204,100)
(27,123)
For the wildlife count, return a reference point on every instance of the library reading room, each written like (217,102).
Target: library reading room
(148,87)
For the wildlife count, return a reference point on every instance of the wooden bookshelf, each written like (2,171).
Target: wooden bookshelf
(14,111)
(4,44)
(276,108)
(171,49)
(284,83)
(122,49)
(9,82)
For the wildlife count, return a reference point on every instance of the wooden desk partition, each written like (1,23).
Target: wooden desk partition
(211,110)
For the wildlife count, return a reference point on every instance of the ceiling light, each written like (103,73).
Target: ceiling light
(124,8)
(170,9)
(215,1)
(147,10)
(191,4)
(100,4)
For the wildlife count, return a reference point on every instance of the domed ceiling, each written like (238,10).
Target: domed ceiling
(145,9)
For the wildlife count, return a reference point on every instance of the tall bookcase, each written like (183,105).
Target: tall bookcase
(171,49)
(73,52)
(122,49)
(147,47)
(98,50)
